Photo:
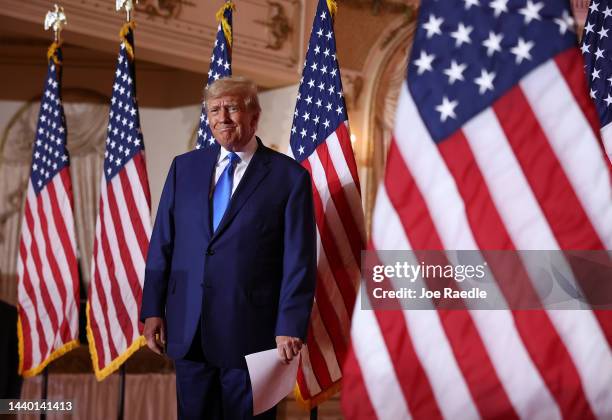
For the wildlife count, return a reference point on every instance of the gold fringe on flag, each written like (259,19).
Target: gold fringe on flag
(227,29)
(52,52)
(125,29)
(332,5)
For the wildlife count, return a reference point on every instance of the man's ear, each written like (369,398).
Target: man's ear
(255,121)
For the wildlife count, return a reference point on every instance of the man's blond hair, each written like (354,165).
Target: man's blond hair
(239,86)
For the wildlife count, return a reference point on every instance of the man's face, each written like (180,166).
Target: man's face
(230,122)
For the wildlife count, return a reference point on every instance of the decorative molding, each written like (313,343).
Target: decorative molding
(352,84)
(185,40)
(166,9)
(278,24)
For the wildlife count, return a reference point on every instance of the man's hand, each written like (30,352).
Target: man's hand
(288,347)
(155,334)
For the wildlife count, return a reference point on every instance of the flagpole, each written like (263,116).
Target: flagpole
(314,413)
(121,392)
(54,19)
(44,389)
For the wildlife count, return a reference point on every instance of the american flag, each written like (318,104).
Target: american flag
(320,141)
(596,49)
(220,66)
(494,148)
(48,290)
(123,227)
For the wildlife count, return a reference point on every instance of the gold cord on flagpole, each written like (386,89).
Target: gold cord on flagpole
(55,19)
(123,33)
(227,29)
(332,5)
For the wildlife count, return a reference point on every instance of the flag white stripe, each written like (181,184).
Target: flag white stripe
(328,283)
(57,248)
(135,256)
(309,377)
(606,134)
(130,238)
(65,204)
(346,180)
(449,217)
(116,332)
(139,197)
(591,354)
(96,308)
(376,366)
(430,174)
(526,224)
(332,217)
(574,144)
(55,299)
(430,342)
(120,273)
(324,342)
(30,267)
(28,307)
(65,207)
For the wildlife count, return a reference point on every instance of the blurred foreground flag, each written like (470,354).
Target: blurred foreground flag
(123,227)
(495,147)
(48,289)
(220,66)
(597,52)
(320,141)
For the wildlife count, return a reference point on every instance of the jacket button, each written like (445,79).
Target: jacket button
(210,252)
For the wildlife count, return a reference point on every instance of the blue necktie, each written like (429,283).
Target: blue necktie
(223,190)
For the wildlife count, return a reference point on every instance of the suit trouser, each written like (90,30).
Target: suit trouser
(204,391)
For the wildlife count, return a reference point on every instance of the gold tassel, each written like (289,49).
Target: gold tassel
(333,7)
(52,53)
(227,30)
(125,29)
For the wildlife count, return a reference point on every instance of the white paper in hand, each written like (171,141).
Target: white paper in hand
(271,380)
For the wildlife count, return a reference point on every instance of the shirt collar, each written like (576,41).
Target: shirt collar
(245,155)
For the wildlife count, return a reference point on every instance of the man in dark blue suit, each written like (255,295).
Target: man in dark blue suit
(232,260)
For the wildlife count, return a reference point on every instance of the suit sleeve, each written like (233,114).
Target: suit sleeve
(299,262)
(159,257)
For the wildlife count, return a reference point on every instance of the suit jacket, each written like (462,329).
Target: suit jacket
(247,282)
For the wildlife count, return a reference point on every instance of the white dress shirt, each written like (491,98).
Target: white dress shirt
(245,157)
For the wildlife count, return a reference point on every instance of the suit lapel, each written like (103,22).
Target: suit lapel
(205,179)
(256,171)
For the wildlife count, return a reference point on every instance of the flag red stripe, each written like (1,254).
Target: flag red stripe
(141,168)
(27,336)
(107,326)
(42,340)
(356,403)
(62,229)
(319,368)
(338,196)
(123,316)
(412,379)
(410,373)
(27,283)
(64,328)
(328,244)
(570,64)
(538,334)
(331,321)
(124,252)
(47,301)
(347,150)
(96,282)
(139,231)
(553,191)
(302,384)
(471,355)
